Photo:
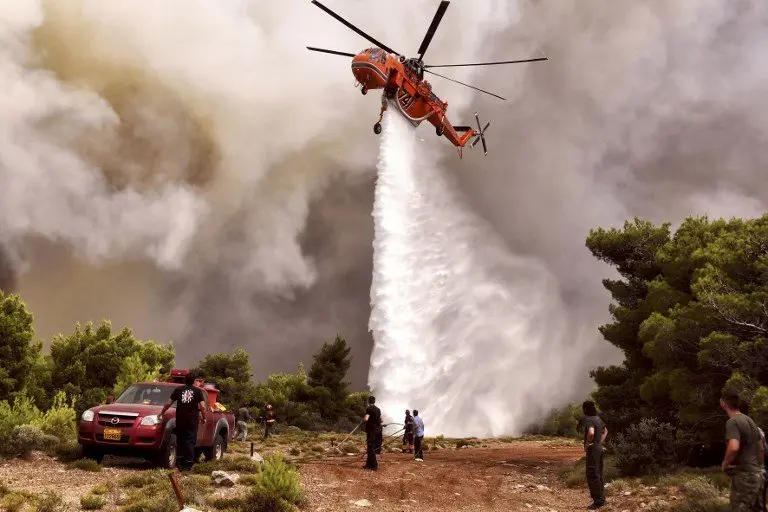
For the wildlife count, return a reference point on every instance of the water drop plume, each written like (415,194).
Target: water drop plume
(463,329)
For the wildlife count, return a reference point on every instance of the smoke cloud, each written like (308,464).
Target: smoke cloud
(190,169)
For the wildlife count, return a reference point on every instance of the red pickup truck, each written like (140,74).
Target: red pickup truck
(128,426)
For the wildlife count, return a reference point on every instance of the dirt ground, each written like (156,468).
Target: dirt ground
(521,475)
(518,476)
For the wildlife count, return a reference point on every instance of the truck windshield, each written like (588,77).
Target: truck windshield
(146,394)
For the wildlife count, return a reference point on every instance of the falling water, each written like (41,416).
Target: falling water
(460,324)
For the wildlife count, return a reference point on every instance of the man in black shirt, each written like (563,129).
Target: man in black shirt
(594,435)
(190,408)
(372,420)
(408,436)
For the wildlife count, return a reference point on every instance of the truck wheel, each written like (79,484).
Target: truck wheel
(167,456)
(216,451)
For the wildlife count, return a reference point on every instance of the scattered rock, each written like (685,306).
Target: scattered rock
(257,457)
(361,503)
(224,478)
(627,493)
(190,509)
(543,488)
(528,505)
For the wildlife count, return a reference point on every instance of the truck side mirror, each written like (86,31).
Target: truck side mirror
(110,399)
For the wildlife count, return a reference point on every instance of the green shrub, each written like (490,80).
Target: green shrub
(248,479)
(22,412)
(702,496)
(576,476)
(85,465)
(647,447)
(60,420)
(50,501)
(277,484)
(14,502)
(100,490)
(92,501)
(67,451)
(27,438)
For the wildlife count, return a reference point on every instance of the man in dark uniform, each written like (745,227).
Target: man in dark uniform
(190,411)
(373,428)
(594,435)
(408,436)
(269,421)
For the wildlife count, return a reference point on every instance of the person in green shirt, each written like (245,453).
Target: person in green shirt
(744,456)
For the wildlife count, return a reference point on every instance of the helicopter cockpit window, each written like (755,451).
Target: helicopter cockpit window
(378,55)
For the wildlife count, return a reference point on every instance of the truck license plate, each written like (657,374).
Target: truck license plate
(112,434)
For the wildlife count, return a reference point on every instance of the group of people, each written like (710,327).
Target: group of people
(744,461)
(412,439)
(244,416)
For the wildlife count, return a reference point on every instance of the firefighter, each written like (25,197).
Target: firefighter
(408,436)
(373,428)
(269,421)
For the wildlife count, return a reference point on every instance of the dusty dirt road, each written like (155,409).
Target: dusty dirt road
(517,476)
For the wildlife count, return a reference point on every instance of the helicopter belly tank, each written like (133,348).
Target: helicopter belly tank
(371,75)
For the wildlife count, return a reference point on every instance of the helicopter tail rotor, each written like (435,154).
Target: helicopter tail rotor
(480,136)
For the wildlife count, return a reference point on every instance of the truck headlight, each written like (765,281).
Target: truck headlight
(88,415)
(150,420)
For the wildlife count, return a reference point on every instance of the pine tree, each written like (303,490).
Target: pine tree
(326,377)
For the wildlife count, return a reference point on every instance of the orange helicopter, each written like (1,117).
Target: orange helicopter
(402,81)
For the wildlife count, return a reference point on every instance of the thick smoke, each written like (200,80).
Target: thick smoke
(190,169)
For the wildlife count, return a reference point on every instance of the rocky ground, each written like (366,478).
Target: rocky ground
(491,475)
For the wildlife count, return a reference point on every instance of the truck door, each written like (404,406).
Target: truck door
(204,431)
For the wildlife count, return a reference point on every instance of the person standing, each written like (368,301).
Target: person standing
(408,436)
(744,455)
(269,421)
(418,425)
(190,412)
(595,433)
(373,428)
(243,417)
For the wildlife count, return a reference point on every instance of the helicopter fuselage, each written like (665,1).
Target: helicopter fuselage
(402,81)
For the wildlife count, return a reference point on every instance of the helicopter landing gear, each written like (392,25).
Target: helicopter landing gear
(439,131)
(377,126)
(363,91)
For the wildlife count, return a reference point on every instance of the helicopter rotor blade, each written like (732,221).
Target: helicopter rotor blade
(485,63)
(332,52)
(432,28)
(466,85)
(354,28)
